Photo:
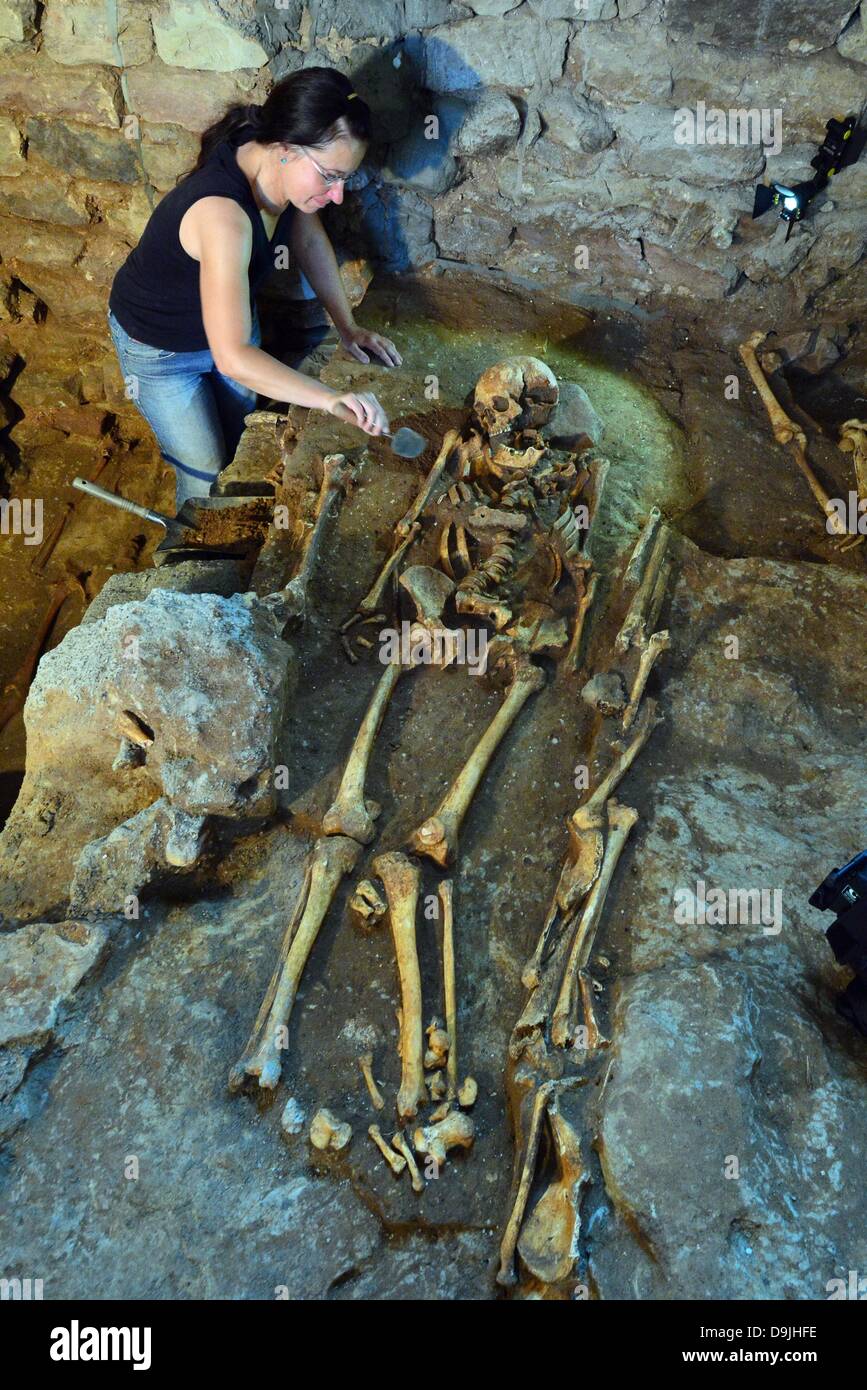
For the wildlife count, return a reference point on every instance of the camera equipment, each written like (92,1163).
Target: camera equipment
(841,146)
(844,892)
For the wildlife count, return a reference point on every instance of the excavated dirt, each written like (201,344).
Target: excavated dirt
(226,1202)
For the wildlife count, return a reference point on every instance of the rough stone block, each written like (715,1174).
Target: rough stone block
(83,151)
(41,965)
(515,52)
(12,161)
(196,34)
(79,31)
(43,88)
(170,95)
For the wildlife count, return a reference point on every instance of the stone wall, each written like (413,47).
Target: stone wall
(552,155)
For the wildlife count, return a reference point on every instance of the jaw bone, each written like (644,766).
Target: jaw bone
(330,859)
(401,880)
(437,837)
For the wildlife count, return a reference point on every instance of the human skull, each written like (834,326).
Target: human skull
(516,393)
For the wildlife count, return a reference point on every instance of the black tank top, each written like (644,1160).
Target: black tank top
(155,294)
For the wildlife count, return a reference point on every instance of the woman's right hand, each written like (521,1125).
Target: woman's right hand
(360,408)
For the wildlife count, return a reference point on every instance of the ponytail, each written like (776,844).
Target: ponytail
(312,106)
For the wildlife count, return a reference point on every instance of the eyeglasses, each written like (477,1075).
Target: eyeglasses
(329,179)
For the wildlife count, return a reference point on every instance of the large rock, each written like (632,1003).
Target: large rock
(43,88)
(197,34)
(787,26)
(492,123)
(90,153)
(647,143)
(575,122)
(40,967)
(179,695)
(514,52)
(17,20)
(79,31)
(852,43)
(170,95)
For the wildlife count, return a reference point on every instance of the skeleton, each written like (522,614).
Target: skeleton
(395,1161)
(455,1131)
(437,837)
(327,1132)
(787,432)
(365,1062)
(515,393)
(331,858)
(401,880)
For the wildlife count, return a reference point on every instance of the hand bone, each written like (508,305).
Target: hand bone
(399,1142)
(401,879)
(437,837)
(395,1161)
(365,1062)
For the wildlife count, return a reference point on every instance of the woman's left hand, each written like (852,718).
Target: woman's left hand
(356,339)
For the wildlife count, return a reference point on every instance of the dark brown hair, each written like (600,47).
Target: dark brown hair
(308,107)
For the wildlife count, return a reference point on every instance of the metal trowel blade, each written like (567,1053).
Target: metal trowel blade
(407,444)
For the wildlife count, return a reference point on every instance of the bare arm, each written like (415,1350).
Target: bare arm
(217,233)
(312,250)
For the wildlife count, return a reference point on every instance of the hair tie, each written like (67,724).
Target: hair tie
(351,95)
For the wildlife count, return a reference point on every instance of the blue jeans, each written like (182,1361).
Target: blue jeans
(196,413)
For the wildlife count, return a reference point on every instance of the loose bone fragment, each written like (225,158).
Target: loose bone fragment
(399,1142)
(650,649)
(365,1061)
(352,813)
(401,879)
(367,903)
(437,1046)
(436,1085)
(327,1132)
(468,1093)
(331,858)
(437,837)
(620,821)
(787,432)
(396,1162)
(456,1131)
(451,440)
(446,897)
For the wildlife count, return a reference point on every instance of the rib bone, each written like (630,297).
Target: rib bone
(620,821)
(331,858)
(352,813)
(437,837)
(401,879)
